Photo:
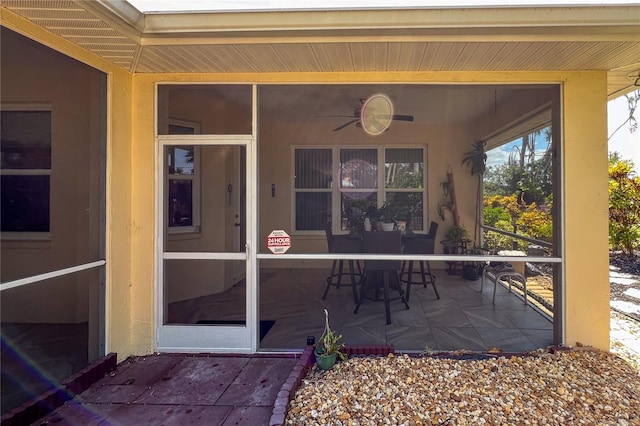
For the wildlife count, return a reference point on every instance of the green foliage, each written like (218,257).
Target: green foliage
(493,215)
(535,223)
(402,205)
(503,212)
(502,180)
(476,159)
(456,234)
(508,205)
(532,184)
(495,241)
(405,175)
(518,195)
(624,205)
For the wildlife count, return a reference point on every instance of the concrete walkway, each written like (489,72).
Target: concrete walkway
(179,389)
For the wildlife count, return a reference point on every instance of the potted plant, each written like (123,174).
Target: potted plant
(383,217)
(455,242)
(328,348)
(473,270)
(454,239)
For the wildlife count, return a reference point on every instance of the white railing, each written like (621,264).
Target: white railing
(52,274)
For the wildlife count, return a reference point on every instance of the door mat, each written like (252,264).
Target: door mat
(265,325)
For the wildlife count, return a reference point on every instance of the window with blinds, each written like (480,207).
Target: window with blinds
(360,190)
(312,183)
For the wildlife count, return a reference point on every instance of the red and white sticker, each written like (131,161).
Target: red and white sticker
(278,241)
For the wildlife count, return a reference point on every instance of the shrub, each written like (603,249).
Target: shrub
(492,215)
(624,206)
(503,212)
(536,223)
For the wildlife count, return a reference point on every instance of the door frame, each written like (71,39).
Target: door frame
(201,338)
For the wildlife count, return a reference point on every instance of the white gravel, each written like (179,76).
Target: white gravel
(567,388)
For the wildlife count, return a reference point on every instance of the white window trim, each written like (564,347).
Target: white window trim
(186,231)
(336,190)
(29,236)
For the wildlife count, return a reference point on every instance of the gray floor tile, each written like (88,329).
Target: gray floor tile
(453,338)
(487,318)
(453,317)
(507,339)
(528,320)
(364,335)
(540,338)
(410,338)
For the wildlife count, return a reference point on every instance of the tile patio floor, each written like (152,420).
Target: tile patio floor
(463,318)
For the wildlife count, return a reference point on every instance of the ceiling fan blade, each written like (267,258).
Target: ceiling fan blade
(402,117)
(346,124)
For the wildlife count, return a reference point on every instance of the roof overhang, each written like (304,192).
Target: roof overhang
(405,40)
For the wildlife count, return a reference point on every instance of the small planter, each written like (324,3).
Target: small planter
(388,226)
(471,272)
(325,362)
(329,347)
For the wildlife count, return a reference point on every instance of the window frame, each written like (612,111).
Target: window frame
(195,178)
(27,235)
(336,190)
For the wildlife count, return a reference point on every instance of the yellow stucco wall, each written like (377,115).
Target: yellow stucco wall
(132,182)
(586,210)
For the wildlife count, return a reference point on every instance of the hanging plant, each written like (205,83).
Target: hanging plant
(329,346)
(476,159)
(445,203)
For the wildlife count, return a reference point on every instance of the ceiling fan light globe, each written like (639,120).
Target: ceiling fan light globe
(376,114)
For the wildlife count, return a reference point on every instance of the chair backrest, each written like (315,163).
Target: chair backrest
(422,244)
(433,230)
(347,244)
(388,242)
(329,233)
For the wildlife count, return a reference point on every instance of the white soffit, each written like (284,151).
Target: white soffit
(405,40)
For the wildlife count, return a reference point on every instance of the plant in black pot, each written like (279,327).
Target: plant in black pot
(328,348)
(473,270)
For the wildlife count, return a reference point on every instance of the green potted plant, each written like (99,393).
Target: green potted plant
(328,348)
(383,217)
(454,238)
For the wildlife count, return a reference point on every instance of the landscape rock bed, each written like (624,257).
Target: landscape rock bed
(555,388)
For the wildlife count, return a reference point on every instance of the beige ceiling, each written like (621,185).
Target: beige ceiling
(456,39)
